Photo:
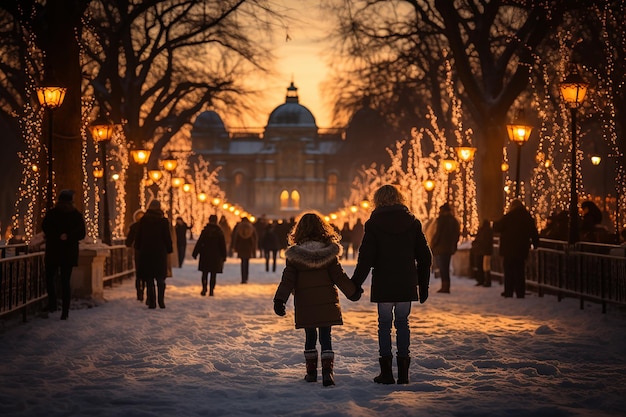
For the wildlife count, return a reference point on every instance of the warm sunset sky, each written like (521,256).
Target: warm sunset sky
(298,59)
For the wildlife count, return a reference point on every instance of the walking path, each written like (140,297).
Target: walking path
(474,354)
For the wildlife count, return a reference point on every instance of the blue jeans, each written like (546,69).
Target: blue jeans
(398,313)
(311,338)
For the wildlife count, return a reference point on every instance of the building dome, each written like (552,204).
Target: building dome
(209,120)
(291,114)
(208,132)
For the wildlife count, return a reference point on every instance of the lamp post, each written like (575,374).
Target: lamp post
(170,164)
(102,132)
(465,154)
(141,156)
(449,165)
(519,131)
(573,90)
(429,186)
(50,97)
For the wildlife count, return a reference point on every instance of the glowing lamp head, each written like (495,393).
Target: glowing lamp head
(504,166)
(429,185)
(170,164)
(202,197)
(573,89)
(520,129)
(155,175)
(465,153)
(596,159)
(102,129)
(449,165)
(51,97)
(140,156)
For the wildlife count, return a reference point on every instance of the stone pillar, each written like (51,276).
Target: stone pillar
(87,277)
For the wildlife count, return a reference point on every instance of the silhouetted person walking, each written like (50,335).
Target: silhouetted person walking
(211,246)
(63,227)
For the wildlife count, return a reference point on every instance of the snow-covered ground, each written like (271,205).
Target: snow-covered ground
(474,354)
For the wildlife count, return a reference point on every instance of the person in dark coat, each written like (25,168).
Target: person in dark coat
(140,284)
(482,247)
(517,231)
(357,236)
(444,243)
(63,227)
(244,242)
(313,273)
(395,249)
(223,223)
(154,244)
(181,229)
(211,246)
(270,245)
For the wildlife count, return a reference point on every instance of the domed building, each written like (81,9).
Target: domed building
(292,165)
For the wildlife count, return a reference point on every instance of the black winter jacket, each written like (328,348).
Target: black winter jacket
(211,246)
(395,248)
(63,219)
(153,243)
(517,230)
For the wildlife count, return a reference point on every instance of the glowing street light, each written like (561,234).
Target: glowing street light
(573,91)
(449,165)
(102,130)
(519,131)
(465,154)
(50,97)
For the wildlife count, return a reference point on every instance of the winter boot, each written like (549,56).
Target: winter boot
(328,362)
(204,283)
(161,292)
(403,369)
(310,357)
(487,282)
(386,373)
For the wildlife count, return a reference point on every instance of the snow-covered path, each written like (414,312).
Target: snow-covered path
(474,354)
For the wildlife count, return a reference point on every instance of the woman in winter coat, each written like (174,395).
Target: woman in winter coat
(63,226)
(444,242)
(244,242)
(395,249)
(211,246)
(517,231)
(153,243)
(313,273)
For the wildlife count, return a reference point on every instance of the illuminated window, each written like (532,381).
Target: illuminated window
(295,200)
(284,200)
(331,188)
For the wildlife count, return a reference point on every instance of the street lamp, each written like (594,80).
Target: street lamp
(519,131)
(465,154)
(449,165)
(170,164)
(50,97)
(573,90)
(102,132)
(429,186)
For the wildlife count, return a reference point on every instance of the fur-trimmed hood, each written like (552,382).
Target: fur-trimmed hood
(313,254)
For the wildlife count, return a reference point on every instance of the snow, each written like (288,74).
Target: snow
(473,352)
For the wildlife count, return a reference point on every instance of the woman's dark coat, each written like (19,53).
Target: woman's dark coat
(517,230)
(395,248)
(482,244)
(211,246)
(153,243)
(313,273)
(270,240)
(64,218)
(447,232)
(245,240)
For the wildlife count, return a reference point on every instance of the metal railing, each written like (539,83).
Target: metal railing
(588,271)
(22,282)
(23,277)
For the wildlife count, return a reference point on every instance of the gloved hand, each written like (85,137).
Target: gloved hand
(357,294)
(279,307)
(423,290)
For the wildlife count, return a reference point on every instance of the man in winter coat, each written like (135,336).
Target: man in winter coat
(63,226)
(482,247)
(244,242)
(153,244)
(517,231)
(211,246)
(443,244)
(395,249)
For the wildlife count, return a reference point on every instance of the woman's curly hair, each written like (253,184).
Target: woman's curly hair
(312,227)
